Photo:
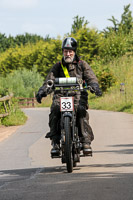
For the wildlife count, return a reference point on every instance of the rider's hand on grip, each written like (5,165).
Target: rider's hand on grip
(98,92)
(41,93)
(38,98)
(95,89)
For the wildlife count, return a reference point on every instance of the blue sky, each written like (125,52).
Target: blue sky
(55,17)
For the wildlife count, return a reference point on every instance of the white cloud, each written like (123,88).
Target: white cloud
(19,4)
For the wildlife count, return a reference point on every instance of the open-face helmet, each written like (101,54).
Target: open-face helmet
(69,43)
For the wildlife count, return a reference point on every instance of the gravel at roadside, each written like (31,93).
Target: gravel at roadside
(5,132)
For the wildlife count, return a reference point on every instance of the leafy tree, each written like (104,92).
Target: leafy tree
(125,25)
(78,23)
(126,20)
(12,42)
(115,45)
(48,53)
(27,38)
(89,41)
(43,55)
(3,42)
(118,39)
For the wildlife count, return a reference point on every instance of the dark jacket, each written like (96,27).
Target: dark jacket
(79,69)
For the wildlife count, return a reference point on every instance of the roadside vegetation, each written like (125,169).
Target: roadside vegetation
(118,97)
(15,118)
(16,115)
(25,61)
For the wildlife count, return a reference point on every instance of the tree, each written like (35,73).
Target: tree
(3,42)
(12,42)
(79,22)
(125,25)
(27,38)
(126,20)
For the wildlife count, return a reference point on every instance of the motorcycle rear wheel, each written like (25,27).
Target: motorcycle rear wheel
(68,145)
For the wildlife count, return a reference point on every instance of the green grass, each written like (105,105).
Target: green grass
(14,119)
(18,117)
(111,102)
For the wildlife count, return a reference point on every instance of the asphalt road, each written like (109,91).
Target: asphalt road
(28,173)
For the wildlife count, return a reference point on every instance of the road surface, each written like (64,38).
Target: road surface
(28,173)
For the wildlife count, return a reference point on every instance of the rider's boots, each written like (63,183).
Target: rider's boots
(87,150)
(55,151)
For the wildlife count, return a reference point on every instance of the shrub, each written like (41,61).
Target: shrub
(105,75)
(22,83)
(42,55)
(14,119)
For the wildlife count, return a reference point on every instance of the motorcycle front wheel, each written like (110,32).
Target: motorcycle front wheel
(68,145)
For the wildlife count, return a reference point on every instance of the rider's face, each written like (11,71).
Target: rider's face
(68,55)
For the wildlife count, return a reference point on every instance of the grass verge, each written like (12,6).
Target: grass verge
(14,119)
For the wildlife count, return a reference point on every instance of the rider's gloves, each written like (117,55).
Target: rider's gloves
(95,89)
(41,93)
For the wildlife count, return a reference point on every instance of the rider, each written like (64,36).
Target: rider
(72,66)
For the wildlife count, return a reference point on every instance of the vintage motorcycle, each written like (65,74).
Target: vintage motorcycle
(70,145)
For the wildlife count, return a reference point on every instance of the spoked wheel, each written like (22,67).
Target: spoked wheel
(68,145)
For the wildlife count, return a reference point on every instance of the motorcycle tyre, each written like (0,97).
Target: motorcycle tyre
(68,145)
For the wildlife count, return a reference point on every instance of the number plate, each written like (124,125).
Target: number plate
(66,104)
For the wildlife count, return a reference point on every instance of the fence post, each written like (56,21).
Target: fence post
(4,99)
(33,102)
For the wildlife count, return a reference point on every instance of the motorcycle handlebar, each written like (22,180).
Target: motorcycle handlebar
(71,83)
(62,82)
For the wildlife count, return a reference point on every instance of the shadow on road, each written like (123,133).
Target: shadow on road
(126,149)
(109,165)
(55,183)
(121,145)
(17,174)
(22,174)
